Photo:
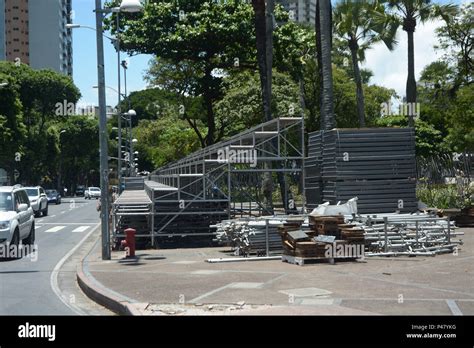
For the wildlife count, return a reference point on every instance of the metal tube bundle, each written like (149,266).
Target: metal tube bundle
(249,235)
(408,234)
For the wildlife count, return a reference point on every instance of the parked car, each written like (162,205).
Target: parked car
(53,196)
(16,216)
(80,190)
(92,192)
(38,200)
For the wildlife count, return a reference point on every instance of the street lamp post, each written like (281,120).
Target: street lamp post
(104,171)
(119,119)
(126,6)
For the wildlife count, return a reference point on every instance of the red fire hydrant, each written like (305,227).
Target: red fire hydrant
(129,242)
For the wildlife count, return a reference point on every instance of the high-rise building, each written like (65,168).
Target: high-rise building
(303,11)
(34,32)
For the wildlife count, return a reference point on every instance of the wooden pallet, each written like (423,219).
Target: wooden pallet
(296,260)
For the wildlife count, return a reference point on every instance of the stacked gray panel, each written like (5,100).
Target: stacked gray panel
(313,180)
(376,164)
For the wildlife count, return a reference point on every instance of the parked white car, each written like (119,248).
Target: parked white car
(38,200)
(92,192)
(16,216)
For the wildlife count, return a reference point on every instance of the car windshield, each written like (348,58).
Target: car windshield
(51,192)
(32,192)
(94,189)
(6,202)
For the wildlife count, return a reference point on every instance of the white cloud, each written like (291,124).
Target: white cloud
(390,68)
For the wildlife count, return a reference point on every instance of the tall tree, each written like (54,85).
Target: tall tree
(362,24)
(264,34)
(327,98)
(260,22)
(409,12)
(456,38)
(12,128)
(215,37)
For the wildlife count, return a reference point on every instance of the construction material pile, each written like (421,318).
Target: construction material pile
(249,236)
(407,234)
(328,237)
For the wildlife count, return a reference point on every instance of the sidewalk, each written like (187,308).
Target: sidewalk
(180,282)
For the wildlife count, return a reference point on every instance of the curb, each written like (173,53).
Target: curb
(100,294)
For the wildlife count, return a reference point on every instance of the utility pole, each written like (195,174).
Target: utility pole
(119,110)
(104,166)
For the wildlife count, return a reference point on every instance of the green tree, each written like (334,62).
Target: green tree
(209,35)
(39,92)
(162,141)
(457,39)
(12,127)
(181,82)
(79,148)
(428,140)
(240,108)
(362,24)
(214,38)
(436,93)
(461,121)
(409,12)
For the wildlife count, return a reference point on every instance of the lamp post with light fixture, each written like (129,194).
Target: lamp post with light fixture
(126,6)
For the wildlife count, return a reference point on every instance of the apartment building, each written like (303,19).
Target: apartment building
(34,32)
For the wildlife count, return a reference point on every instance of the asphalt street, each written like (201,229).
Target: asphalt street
(30,285)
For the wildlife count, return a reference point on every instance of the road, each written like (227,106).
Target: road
(35,284)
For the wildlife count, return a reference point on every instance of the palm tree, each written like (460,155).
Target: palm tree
(409,12)
(324,53)
(262,55)
(264,60)
(264,35)
(362,24)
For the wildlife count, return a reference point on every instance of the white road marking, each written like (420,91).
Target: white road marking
(36,227)
(52,216)
(453,307)
(212,292)
(70,223)
(55,229)
(54,275)
(80,229)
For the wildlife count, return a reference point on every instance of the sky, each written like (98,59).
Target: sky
(389,68)
(85,59)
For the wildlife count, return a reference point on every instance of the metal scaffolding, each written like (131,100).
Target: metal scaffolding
(133,208)
(224,180)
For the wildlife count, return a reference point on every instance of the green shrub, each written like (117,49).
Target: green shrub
(444,196)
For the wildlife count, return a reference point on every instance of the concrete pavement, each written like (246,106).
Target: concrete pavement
(180,282)
(45,285)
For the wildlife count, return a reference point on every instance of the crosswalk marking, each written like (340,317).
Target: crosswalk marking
(68,223)
(80,229)
(55,229)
